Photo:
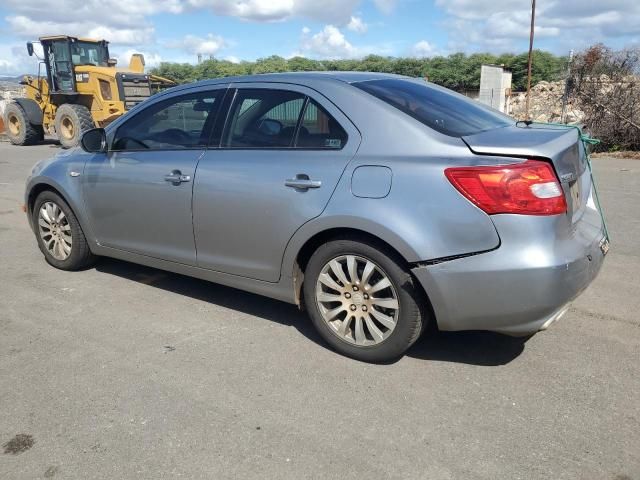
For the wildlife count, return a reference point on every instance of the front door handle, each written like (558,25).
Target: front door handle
(302,182)
(176,177)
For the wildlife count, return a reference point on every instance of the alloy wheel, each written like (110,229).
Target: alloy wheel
(55,230)
(357,300)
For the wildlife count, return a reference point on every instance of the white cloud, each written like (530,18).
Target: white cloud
(117,21)
(129,24)
(123,36)
(337,11)
(14,59)
(25,27)
(422,49)
(356,24)
(118,14)
(330,42)
(386,6)
(572,23)
(208,45)
(258,10)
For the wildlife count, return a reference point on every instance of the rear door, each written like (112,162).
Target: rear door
(139,194)
(282,152)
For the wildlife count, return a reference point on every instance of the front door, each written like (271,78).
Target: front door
(138,195)
(283,150)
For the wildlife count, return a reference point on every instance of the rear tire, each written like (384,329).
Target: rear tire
(18,128)
(379,315)
(71,123)
(59,235)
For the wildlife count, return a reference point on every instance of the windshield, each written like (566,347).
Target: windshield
(441,109)
(88,53)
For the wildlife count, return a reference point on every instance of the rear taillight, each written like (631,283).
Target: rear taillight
(528,188)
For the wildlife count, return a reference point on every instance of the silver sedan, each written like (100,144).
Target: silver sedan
(378,203)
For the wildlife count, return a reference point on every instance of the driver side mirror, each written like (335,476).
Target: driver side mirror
(94,141)
(30,48)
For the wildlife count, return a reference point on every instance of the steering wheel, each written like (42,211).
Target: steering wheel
(178,135)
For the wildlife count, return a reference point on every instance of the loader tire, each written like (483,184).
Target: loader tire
(19,130)
(71,123)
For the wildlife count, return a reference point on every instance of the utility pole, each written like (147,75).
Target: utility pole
(533,19)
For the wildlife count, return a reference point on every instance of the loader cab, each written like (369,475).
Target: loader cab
(62,54)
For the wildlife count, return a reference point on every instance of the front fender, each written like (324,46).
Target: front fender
(31,109)
(56,174)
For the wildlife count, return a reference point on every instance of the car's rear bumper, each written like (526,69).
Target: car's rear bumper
(524,285)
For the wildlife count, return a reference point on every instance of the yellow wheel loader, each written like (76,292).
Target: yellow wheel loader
(80,89)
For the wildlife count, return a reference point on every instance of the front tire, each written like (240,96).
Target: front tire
(59,235)
(362,301)
(71,123)
(18,128)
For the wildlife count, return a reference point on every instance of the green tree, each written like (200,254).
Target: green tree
(272,64)
(178,72)
(302,64)
(545,66)
(457,71)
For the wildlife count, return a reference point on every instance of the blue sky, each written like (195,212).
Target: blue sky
(177,30)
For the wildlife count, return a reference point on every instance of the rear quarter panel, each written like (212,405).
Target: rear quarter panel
(423,216)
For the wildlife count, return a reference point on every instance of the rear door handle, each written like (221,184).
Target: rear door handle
(177,177)
(302,182)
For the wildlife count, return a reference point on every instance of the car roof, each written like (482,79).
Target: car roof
(302,77)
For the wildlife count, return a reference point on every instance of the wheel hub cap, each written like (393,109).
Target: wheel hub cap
(67,127)
(357,300)
(14,125)
(55,231)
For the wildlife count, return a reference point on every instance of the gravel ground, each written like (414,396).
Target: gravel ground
(126,372)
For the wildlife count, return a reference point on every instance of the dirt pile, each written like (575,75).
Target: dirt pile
(546,104)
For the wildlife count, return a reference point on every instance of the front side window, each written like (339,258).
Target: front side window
(262,118)
(438,108)
(177,123)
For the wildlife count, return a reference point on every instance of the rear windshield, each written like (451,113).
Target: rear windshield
(441,109)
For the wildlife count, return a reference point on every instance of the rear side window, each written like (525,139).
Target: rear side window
(261,118)
(319,130)
(440,109)
(265,118)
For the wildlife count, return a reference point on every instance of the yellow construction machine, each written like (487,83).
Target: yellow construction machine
(80,89)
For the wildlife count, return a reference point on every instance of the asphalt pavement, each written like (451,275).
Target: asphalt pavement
(127,372)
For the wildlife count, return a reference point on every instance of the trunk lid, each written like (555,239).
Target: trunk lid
(560,145)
